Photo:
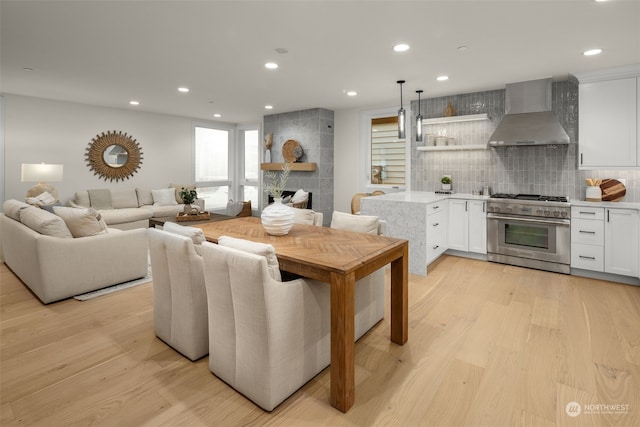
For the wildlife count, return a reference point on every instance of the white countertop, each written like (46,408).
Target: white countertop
(620,205)
(424,197)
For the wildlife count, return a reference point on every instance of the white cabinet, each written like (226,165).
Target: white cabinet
(587,238)
(468,225)
(621,230)
(605,240)
(437,215)
(609,118)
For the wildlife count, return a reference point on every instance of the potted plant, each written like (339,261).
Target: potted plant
(277,219)
(446,182)
(188,196)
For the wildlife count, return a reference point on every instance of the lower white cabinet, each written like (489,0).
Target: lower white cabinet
(468,225)
(437,215)
(605,240)
(621,231)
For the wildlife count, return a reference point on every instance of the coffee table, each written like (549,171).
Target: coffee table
(159,222)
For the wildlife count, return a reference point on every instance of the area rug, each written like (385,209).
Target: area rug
(115,288)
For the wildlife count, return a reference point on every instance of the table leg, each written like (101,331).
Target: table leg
(342,393)
(400,298)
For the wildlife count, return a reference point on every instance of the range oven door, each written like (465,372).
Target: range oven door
(543,239)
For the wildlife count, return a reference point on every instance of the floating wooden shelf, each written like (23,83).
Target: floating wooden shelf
(303,167)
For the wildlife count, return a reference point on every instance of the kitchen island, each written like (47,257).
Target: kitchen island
(407,213)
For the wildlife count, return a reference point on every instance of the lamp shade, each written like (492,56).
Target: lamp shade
(41,172)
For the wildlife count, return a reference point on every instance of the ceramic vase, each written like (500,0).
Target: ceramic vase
(186,210)
(277,219)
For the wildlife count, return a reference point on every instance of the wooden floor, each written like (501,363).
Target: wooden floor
(489,345)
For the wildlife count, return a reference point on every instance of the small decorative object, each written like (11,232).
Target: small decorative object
(446,182)
(277,219)
(113,156)
(594,192)
(292,151)
(188,196)
(449,110)
(193,217)
(268,142)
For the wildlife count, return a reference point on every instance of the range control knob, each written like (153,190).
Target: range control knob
(556,213)
(508,209)
(538,211)
(547,213)
(563,214)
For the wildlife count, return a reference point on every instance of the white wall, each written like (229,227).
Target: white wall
(39,130)
(347,157)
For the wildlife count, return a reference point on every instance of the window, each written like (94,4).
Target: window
(387,164)
(225,168)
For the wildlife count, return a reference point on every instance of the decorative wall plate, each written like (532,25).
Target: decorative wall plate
(113,156)
(292,151)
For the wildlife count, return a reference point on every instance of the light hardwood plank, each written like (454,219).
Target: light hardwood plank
(488,345)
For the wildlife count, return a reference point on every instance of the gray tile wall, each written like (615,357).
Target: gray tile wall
(550,170)
(313,129)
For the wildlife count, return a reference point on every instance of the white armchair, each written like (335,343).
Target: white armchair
(179,295)
(267,338)
(369,292)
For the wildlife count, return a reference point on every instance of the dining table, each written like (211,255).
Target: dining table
(339,258)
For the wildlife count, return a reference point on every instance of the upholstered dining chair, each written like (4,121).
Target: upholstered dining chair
(266,338)
(369,291)
(179,295)
(307,217)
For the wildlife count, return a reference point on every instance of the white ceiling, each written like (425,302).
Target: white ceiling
(109,52)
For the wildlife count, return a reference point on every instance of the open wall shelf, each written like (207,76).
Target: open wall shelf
(302,167)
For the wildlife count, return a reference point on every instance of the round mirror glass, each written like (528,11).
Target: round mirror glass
(115,156)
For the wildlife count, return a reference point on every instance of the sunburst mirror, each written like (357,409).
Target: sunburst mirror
(114,155)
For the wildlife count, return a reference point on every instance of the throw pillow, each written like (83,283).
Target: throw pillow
(234,208)
(179,187)
(300,196)
(303,216)
(41,199)
(100,199)
(81,222)
(13,207)
(144,197)
(267,251)
(360,223)
(49,208)
(164,197)
(195,234)
(124,198)
(44,222)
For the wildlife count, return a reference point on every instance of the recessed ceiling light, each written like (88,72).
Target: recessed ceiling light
(183,89)
(271,65)
(442,78)
(592,52)
(134,103)
(281,50)
(352,93)
(401,47)
(268,107)
(462,49)
(217,115)
(28,69)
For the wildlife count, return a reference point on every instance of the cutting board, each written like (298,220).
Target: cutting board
(612,190)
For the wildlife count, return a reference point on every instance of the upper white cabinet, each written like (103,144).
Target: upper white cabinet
(609,118)
(468,225)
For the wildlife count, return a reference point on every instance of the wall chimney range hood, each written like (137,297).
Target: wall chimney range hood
(528,119)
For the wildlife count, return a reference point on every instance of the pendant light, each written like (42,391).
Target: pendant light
(401,114)
(419,120)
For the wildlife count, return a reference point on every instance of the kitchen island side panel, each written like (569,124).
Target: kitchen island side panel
(405,220)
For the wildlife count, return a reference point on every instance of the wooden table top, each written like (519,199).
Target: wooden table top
(318,248)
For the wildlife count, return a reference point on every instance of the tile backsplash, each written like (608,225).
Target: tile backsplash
(550,170)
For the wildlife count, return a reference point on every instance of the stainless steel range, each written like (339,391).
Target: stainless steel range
(530,231)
